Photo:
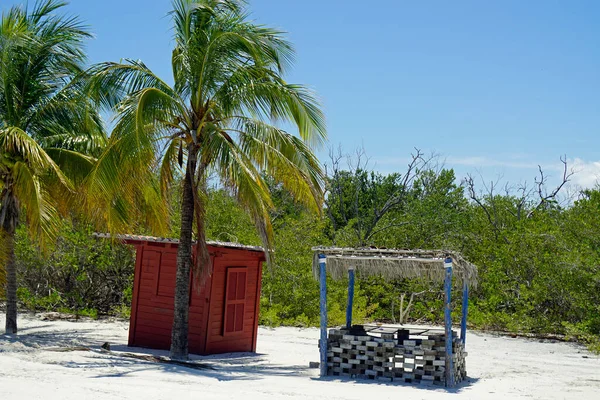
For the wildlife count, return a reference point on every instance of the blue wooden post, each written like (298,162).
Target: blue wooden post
(465,308)
(323,307)
(448,323)
(350,297)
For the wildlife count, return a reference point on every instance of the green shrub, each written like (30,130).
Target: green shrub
(79,273)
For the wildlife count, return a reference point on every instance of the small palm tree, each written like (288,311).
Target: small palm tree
(222,117)
(48,130)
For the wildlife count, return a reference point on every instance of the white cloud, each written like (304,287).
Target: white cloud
(479,161)
(516,161)
(587,173)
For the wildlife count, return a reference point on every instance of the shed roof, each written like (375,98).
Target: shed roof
(393,263)
(142,238)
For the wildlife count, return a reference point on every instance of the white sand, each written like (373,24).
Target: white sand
(498,367)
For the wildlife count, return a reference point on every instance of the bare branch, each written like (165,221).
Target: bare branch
(332,187)
(416,164)
(545,197)
(384,228)
(411,173)
(470,184)
(405,311)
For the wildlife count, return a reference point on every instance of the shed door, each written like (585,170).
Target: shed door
(235,300)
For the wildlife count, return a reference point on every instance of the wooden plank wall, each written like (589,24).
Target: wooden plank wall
(154,314)
(152,306)
(218,341)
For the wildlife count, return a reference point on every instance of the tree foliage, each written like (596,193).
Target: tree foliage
(222,118)
(78,274)
(49,128)
(207,156)
(539,274)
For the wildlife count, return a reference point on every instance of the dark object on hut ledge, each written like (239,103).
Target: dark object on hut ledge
(403,335)
(357,330)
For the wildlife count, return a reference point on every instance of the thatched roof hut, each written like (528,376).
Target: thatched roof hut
(391,264)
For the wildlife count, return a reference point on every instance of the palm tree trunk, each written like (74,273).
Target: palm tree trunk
(179,334)
(9,219)
(11,285)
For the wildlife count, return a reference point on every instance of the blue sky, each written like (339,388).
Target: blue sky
(495,88)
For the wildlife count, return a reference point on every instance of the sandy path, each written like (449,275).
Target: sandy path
(498,367)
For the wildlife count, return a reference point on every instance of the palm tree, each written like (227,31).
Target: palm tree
(48,129)
(222,117)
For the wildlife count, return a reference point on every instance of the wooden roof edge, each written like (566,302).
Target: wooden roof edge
(154,239)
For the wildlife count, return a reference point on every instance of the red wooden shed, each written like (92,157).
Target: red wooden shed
(223,313)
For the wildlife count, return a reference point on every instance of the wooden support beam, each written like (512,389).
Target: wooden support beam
(323,308)
(448,322)
(465,309)
(350,298)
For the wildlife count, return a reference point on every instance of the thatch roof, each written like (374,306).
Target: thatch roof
(392,264)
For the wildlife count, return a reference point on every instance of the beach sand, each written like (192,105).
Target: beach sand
(498,368)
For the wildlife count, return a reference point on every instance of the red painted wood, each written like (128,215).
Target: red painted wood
(150,337)
(232,341)
(152,309)
(197,300)
(154,259)
(134,297)
(230,347)
(257,305)
(164,318)
(235,300)
(144,327)
(213,308)
(216,268)
(152,301)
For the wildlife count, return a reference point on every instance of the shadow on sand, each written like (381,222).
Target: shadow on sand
(457,389)
(224,367)
(89,355)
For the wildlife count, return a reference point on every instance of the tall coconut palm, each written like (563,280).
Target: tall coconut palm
(48,129)
(222,117)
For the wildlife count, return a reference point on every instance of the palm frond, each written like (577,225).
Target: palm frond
(284,157)
(42,218)
(16,142)
(110,83)
(68,120)
(172,156)
(130,155)
(46,120)
(44,8)
(75,164)
(238,172)
(267,97)
(228,98)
